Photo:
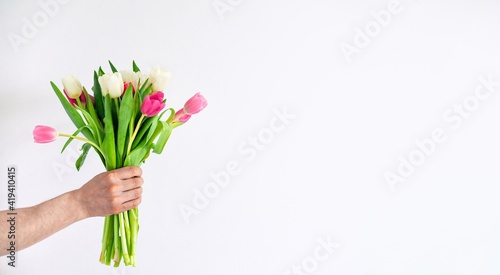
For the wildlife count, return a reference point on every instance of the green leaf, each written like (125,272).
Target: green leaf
(71,139)
(72,112)
(94,126)
(162,140)
(144,128)
(83,156)
(108,145)
(137,156)
(90,107)
(144,91)
(101,72)
(171,116)
(152,130)
(98,97)
(134,67)
(113,69)
(157,131)
(124,117)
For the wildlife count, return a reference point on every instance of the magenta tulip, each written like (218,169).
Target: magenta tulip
(152,104)
(195,104)
(73,102)
(44,134)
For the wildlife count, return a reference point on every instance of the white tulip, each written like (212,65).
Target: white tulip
(111,84)
(159,78)
(133,78)
(72,86)
(143,79)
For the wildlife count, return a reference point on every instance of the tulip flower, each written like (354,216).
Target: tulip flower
(73,101)
(193,106)
(111,84)
(44,134)
(72,86)
(152,104)
(159,79)
(132,78)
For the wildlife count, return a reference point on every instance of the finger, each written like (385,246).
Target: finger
(131,195)
(128,172)
(131,204)
(129,184)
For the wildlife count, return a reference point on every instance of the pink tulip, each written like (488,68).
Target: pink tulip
(180,116)
(195,104)
(44,134)
(152,104)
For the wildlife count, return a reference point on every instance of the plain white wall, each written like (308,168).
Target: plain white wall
(356,116)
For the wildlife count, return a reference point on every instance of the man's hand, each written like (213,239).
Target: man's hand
(107,193)
(111,192)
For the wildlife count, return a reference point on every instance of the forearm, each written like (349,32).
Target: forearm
(36,223)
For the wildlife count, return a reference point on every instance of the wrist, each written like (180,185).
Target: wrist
(80,207)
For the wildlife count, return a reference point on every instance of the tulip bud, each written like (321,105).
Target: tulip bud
(181,116)
(72,86)
(159,79)
(152,104)
(195,104)
(44,134)
(111,84)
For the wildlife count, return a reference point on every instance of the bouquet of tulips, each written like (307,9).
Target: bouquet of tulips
(123,121)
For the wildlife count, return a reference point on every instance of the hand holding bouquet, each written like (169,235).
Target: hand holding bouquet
(123,121)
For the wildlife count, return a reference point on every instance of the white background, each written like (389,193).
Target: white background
(320,177)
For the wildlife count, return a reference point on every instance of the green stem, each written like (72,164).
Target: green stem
(105,235)
(116,242)
(117,105)
(123,238)
(135,133)
(127,229)
(78,102)
(82,139)
(110,247)
(134,228)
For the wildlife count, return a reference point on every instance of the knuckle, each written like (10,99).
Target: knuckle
(112,188)
(137,192)
(138,181)
(136,202)
(115,201)
(110,177)
(136,171)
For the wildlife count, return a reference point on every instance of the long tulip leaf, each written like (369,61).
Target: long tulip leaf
(124,116)
(144,128)
(136,156)
(163,138)
(109,135)
(99,107)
